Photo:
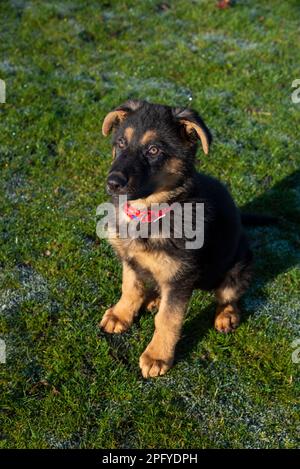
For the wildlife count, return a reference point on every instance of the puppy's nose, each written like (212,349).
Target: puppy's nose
(115,183)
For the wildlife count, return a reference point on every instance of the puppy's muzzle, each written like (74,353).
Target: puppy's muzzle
(116,183)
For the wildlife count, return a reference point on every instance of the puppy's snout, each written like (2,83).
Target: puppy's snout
(115,183)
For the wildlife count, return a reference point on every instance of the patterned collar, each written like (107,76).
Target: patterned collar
(145,216)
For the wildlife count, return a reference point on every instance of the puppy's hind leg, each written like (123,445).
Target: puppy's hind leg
(228,293)
(152,300)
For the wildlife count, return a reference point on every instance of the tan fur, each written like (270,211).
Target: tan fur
(118,245)
(128,134)
(148,136)
(118,318)
(155,198)
(175,166)
(226,295)
(190,126)
(148,265)
(152,304)
(159,264)
(110,119)
(162,196)
(227,318)
(158,357)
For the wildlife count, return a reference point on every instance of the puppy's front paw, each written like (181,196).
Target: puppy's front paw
(227,319)
(112,323)
(152,367)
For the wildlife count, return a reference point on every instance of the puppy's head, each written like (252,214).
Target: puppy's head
(154,147)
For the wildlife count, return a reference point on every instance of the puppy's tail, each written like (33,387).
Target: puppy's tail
(253,219)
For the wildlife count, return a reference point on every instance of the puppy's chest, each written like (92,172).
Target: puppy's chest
(148,255)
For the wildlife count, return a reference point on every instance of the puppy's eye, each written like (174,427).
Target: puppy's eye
(153,150)
(121,142)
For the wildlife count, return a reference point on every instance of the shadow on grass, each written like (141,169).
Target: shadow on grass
(270,260)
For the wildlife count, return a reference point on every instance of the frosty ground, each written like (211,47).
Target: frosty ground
(66,64)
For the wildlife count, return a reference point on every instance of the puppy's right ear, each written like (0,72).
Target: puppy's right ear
(118,115)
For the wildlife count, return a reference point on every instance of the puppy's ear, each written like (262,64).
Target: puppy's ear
(118,115)
(193,126)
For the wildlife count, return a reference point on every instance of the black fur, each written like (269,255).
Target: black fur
(154,149)
(225,243)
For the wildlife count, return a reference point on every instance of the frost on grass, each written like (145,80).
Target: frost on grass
(8,67)
(33,287)
(55,443)
(16,189)
(218,47)
(224,408)
(148,88)
(278,309)
(223,39)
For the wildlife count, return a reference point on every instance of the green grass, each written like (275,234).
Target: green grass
(66,64)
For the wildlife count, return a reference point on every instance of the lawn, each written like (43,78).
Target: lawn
(66,64)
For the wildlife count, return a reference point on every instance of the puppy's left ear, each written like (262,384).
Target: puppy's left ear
(118,115)
(194,126)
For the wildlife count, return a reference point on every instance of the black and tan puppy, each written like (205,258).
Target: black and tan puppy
(154,149)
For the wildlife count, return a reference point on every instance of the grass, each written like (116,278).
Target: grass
(66,64)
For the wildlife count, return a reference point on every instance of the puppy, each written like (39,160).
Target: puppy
(154,150)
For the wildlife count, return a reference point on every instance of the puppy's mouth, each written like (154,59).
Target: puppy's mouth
(130,193)
(118,186)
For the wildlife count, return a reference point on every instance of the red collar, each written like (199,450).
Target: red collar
(145,216)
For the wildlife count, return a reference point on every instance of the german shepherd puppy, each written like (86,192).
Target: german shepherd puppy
(154,150)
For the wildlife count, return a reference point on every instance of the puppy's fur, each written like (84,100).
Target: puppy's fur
(154,150)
